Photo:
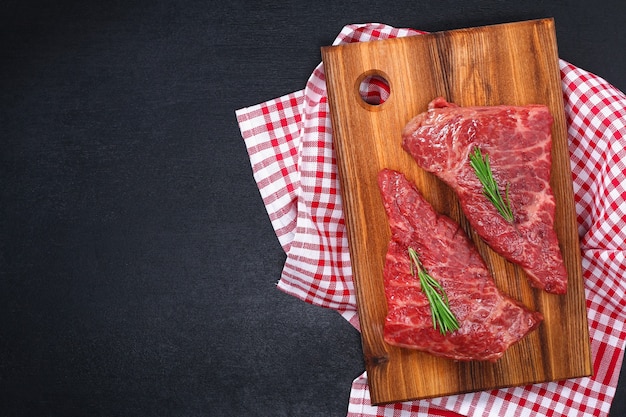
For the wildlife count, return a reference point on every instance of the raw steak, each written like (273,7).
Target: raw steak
(518,142)
(489,321)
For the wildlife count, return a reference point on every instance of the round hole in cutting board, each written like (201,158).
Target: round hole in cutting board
(374,89)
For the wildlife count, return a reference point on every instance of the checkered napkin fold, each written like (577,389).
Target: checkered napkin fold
(290,147)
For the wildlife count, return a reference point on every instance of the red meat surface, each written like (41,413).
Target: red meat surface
(518,142)
(489,321)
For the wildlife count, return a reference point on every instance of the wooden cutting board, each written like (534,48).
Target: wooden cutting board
(513,63)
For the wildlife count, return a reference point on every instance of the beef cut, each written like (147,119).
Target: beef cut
(518,141)
(489,321)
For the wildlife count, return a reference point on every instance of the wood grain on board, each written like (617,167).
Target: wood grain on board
(513,63)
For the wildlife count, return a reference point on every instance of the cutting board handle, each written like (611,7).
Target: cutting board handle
(373,89)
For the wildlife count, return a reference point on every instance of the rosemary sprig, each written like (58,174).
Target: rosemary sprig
(437,298)
(482,168)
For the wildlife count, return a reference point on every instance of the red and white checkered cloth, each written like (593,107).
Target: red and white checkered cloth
(290,147)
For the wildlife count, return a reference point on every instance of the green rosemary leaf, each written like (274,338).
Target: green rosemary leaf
(442,316)
(483,171)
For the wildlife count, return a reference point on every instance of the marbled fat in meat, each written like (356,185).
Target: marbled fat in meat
(518,141)
(490,322)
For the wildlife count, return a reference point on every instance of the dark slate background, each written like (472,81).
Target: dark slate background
(137,263)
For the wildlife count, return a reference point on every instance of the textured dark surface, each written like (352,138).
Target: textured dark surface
(137,263)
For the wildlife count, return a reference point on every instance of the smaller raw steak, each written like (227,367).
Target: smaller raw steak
(489,321)
(518,141)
